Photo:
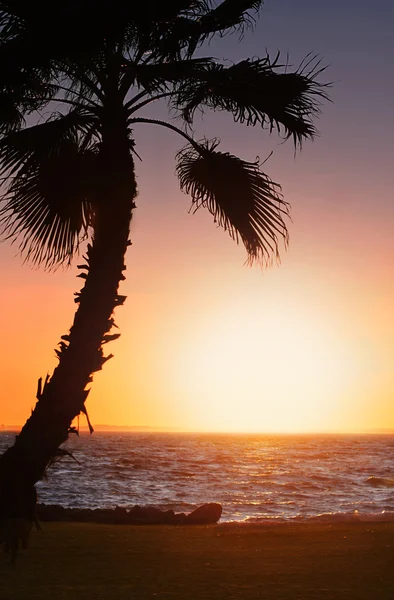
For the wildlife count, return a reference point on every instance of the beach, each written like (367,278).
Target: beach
(352,561)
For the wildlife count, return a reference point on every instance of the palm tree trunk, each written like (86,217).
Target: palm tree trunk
(80,354)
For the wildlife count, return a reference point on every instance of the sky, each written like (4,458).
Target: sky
(209,344)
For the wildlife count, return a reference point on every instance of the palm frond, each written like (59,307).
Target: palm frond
(229,14)
(167,11)
(49,209)
(34,41)
(11,115)
(22,91)
(51,185)
(242,199)
(26,77)
(159,77)
(182,31)
(153,23)
(19,149)
(256,93)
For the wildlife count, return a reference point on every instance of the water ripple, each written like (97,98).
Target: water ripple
(253,477)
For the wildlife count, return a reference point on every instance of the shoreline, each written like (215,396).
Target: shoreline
(205,514)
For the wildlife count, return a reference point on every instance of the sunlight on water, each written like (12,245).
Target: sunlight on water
(253,477)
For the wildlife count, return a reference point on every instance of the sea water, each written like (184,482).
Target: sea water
(255,477)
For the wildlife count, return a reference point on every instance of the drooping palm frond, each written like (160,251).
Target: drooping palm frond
(242,199)
(51,186)
(256,93)
(49,216)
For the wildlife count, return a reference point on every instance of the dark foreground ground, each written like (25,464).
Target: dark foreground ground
(75,561)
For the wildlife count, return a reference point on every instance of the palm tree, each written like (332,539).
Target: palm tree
(72,176)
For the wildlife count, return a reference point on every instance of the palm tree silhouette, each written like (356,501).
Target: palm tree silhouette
(93,68)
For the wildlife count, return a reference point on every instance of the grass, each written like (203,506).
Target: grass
(221,562)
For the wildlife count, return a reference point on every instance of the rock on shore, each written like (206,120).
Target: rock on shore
(207,514)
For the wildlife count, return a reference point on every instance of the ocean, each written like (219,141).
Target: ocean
(256,478)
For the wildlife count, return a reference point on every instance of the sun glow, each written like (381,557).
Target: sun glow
(286,371)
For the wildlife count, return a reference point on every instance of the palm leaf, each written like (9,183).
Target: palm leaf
(19,148)
(49,209)
(26,77)
(171,9)
(242,199)
(183,30)
(33,42)
(21,92)
(255,93)
(229,14)
(51,183)
(11,115)
(159,77)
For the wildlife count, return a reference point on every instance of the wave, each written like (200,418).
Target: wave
(182,473)
(337,517)
(387,482)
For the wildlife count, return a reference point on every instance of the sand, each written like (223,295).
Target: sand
(219,562)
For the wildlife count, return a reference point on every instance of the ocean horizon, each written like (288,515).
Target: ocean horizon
(105,428)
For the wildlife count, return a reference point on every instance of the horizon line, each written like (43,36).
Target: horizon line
(105,428)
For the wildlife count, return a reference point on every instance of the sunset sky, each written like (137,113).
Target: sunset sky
(209,344)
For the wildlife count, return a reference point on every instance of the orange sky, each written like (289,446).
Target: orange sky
(208,344)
